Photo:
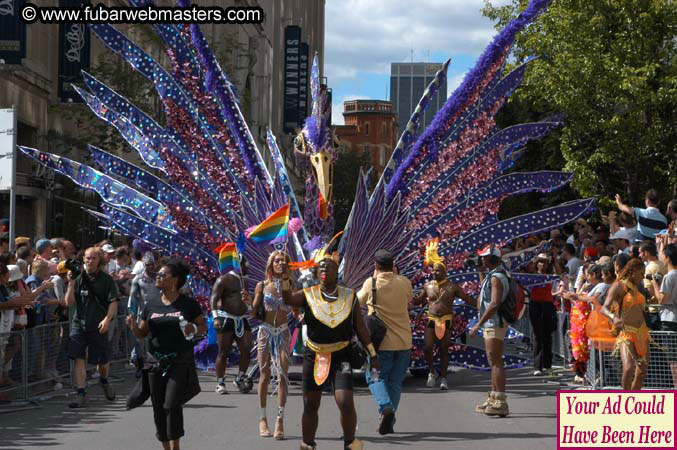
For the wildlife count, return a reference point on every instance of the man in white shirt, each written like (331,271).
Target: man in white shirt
(649,220)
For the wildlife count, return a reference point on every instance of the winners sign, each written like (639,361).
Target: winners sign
(292,52)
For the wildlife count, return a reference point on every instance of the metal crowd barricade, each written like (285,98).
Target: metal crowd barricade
(34,362)
(605,370)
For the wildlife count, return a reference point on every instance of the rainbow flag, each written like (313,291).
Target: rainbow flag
(274,228)
(228,257)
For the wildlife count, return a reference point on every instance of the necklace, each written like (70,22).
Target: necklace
(332,294)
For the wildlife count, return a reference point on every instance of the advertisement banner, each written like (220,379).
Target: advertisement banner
(292,50)
(74,41)
(12,32)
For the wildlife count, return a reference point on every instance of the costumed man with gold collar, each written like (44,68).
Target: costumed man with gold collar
(332,315)
(439,295)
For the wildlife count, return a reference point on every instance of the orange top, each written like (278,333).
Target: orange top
(637,335)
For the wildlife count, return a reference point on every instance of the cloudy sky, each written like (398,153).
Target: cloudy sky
(364,36)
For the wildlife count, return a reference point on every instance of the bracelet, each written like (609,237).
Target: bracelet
(371,350)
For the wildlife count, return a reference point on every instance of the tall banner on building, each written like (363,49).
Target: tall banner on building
(12,32)
(292,50)
(73,54)
(303,84)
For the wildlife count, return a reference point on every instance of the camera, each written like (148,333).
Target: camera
(75,266)
(472,262)
(657,277)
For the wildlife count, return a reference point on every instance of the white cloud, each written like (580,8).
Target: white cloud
(366,36)
(337,107)
(453,82)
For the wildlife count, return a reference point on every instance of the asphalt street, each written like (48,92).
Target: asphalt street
(427,419)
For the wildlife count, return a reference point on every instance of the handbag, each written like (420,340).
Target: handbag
(376,326)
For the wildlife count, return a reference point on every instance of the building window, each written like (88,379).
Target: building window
(384,129)
(366,129)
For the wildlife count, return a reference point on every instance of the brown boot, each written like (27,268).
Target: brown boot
(279,429)
(482,408)
(264,431)
(499,407)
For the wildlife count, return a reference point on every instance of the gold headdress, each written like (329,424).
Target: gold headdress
(325,253)
(431,257)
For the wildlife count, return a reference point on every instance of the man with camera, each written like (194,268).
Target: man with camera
(387,295)
(667,293)
(95,296)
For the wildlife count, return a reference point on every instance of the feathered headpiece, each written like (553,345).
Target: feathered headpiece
(431,257)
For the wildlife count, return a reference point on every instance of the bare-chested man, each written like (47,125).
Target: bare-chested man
(440,295)
(229,308)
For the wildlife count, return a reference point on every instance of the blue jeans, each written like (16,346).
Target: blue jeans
(388,388)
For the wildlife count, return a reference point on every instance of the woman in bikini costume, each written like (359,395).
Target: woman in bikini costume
(273,339)
(624,305)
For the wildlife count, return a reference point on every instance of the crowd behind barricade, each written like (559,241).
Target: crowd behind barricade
(37,317)
(590,256)
(617,281)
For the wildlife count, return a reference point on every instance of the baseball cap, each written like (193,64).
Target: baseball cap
(489,249)
(383,257)
(42,245)
(14,273)
(108,248)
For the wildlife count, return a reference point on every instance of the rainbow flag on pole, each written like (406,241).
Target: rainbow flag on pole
(228,257)
(274,228)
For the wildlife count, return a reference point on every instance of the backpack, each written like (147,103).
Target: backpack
(512,308)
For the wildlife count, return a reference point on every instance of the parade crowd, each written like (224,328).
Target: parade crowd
(618,268)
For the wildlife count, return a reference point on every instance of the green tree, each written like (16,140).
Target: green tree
(609,66)
(346,173)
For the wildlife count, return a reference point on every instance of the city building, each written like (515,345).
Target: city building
(371,128)
(38,63)
(407,84)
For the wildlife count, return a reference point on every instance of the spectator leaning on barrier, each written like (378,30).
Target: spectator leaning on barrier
(649,220)
(95,297)
(667,293)
(8,305)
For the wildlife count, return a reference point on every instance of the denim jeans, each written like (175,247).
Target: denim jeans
(388,388)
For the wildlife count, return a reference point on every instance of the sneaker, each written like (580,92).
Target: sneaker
(108,392)
(243,384)
(432,380)
(221,389)
(499,407)
(443,384)
(387,418)
(482,408)
(79,402)
(538,373)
